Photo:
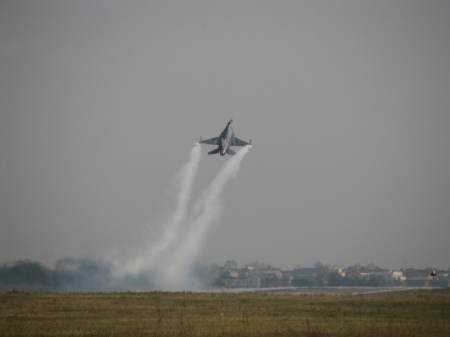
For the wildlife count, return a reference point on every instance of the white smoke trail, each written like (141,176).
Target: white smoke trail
(205,213)
(183,185)
(184,180)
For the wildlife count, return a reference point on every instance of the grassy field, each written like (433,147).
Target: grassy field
(407,313)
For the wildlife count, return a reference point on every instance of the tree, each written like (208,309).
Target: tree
(231,264)
(376,281)
(26,272)
(299,281)
(318,265)
(336,279)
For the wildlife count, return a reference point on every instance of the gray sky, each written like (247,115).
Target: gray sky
(347,103)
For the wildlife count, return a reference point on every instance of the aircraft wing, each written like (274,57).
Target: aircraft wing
(212,141)
(239,142)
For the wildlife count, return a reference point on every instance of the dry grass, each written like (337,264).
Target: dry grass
(409,313)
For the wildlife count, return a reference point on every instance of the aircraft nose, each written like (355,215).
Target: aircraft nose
(222,153)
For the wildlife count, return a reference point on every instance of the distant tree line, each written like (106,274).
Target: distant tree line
(27,272)
(336,280)
(69,274)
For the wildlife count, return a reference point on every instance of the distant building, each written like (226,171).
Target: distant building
(271,273)
(398,275)
(340,271)
(388,275)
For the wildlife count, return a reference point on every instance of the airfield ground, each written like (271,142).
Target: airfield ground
(406,313)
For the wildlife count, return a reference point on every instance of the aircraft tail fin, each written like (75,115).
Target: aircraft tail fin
(231,152)
(214,151)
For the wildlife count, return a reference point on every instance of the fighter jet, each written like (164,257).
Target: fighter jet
(224,141)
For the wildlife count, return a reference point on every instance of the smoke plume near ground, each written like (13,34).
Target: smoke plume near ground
(170,259)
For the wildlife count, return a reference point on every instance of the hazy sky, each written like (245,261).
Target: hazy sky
(347,103)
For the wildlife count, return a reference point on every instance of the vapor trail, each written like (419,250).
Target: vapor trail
(184,180)
(205,213)
(183,185)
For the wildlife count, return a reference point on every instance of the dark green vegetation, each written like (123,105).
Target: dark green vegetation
(337,280)
(68,275)
(408,313)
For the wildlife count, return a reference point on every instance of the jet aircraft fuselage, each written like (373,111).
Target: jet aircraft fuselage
(224,141)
